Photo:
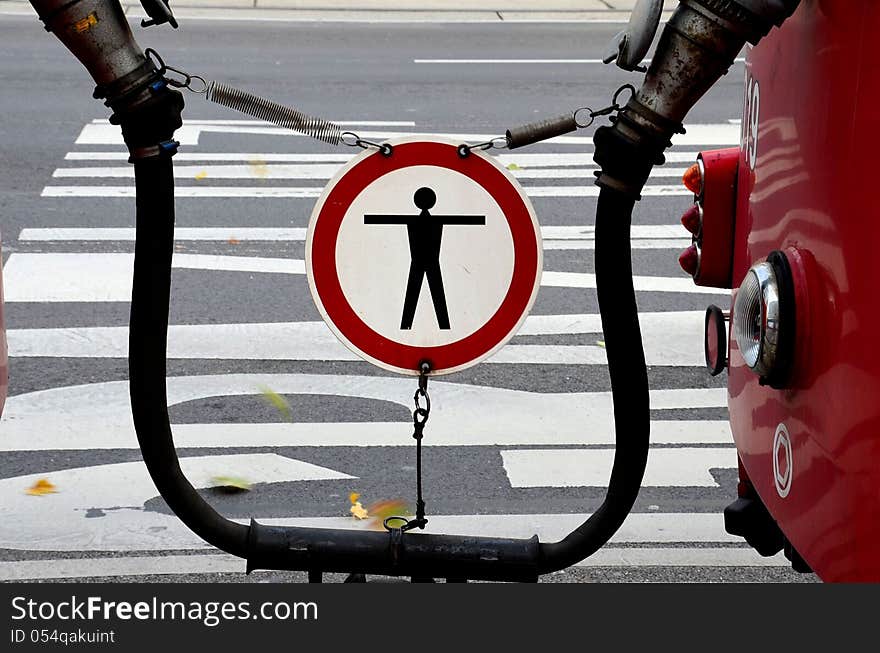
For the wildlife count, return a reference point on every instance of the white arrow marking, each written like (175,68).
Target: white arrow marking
(100,277)
(101,507)
(684,467)
(98,416)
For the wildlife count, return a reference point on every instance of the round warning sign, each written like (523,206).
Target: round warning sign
(423,255)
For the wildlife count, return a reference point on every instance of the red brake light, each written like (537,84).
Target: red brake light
(689,260)
(692,220)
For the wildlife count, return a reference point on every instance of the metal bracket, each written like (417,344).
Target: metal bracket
(159,13)
(629,47)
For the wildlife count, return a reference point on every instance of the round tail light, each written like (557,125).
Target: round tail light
(756,318)
(763,320)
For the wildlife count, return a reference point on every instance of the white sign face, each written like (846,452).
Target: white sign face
(423,255)
(453,295)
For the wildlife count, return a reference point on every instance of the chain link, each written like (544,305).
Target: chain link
(186,80)
(613,108)
(351,139)
(421,412)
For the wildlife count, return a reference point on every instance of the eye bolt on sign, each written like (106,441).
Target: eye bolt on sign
(423,255)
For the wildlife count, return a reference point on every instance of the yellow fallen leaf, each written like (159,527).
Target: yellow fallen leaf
(231,483)
(202,174)
(353,497)
(358,511)
(259,168)
(382,510)
(41,487)
(279,402)
(513,166)
(601,343)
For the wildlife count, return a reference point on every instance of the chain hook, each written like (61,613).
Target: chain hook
(583,123)
(187,80)
(497,143)
(420,416)
(350,139)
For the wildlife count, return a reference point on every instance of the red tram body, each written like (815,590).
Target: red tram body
(803,185)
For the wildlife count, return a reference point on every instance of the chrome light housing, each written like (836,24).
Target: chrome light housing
(757,318)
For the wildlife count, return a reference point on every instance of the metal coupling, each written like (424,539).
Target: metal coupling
(98,35)
(697,47)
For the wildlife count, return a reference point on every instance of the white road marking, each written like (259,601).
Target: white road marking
(259,157)
(366,434)
(638,527)
(507,61)
(98,416)
(202,234)
(320,171)
(524,61)
(167,565)
(102,507)
(107,277)
(641,284)
(554,238)
(102,277)
(680,467)
(130,528)
(106,134)
(120,566)
(298,234)
(639,243)
(521,159)
(670,339)
(313,192)
(264,123)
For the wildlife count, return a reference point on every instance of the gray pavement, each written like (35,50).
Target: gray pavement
(385,76)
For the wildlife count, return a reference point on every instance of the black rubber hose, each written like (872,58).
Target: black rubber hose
(147,340)
(629,385)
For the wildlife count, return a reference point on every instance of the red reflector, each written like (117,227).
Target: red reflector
(689,260)
(715,344)
(691,220)
(693,179)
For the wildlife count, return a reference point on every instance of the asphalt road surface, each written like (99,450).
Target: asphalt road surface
(518,445)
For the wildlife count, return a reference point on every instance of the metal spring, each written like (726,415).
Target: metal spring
(262,109)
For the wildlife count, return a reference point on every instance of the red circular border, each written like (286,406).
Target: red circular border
(326,280)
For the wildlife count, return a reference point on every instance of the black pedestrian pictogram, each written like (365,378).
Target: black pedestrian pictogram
(425,232)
